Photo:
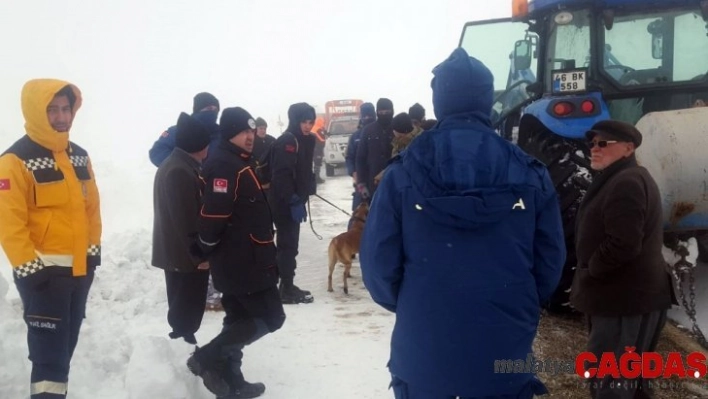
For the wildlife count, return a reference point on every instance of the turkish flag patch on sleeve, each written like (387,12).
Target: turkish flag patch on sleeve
(289,148)
(221,185)
(4,184)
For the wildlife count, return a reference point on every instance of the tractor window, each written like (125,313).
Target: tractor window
(511,57)
(657,48)
(569,42)
(691,47)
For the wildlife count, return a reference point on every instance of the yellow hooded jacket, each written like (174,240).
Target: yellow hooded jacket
(49,202)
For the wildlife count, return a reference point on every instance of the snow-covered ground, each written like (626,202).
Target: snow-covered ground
(336,347)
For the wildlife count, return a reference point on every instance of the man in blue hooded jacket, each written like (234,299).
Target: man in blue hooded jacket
(368,115)
(464,243)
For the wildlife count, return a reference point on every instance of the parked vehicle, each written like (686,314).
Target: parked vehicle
(341,120)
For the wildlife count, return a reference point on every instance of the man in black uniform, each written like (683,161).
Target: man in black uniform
(292,182)
(262,141)
(261,151)
(236,237)
(374,149)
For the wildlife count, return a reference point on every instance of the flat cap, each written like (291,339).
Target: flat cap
(616,130)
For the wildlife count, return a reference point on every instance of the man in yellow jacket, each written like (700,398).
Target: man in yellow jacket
(50,230)
(318,131)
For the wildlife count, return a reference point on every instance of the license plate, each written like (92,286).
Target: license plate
(569,81)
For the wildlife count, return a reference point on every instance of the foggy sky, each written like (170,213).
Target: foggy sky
(139,63)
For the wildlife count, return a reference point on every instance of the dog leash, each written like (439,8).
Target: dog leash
(334,206)
(340,209)
(312,226)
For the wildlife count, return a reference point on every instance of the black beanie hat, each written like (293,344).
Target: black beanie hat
(191,136)
(384,103)
(417,112)
(234,121)
(203,100)
(402,123)
(261,122)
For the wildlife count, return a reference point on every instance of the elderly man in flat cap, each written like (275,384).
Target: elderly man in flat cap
(620,282)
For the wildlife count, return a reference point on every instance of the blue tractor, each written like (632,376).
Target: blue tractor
(562,65)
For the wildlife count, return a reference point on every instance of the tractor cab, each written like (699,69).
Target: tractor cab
(572,63)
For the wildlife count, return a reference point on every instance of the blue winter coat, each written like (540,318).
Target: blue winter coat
(463,242)
(163,146)
(350,156)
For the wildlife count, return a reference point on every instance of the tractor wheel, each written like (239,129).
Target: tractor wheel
(568,164)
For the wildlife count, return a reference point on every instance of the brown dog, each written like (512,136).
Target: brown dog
(343,247)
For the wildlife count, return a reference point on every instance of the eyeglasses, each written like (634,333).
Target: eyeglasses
(601,143)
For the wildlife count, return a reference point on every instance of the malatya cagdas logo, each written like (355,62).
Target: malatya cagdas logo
(632,365)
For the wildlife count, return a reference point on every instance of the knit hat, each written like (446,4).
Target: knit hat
(191,136)
(234,121)
(616,130)
(417,112)
(203,100)
(367,110)
(384,103)
(402,123)
(368,114)
(261,122)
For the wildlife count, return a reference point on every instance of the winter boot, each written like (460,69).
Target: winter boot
(290,294)
(245,390)
(238,386)
(210,370)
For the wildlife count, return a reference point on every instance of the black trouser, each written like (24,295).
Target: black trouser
(318,154)
(287,240)
(613,334)
(54,311)
(186,300)
(248,318)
